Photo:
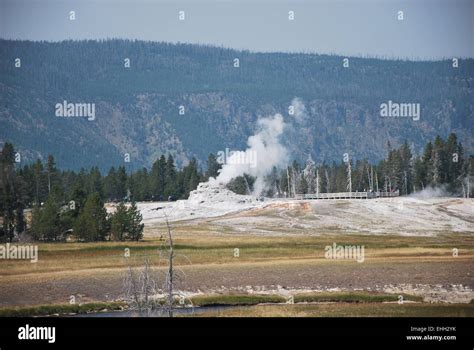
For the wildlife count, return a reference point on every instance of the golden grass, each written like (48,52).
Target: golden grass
(204,248)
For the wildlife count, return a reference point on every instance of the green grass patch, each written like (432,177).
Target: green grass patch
(243,299)
(342,297)
(353,297)
(60,309)
(345,310)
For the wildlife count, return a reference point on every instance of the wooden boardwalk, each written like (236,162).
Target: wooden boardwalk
(348,195)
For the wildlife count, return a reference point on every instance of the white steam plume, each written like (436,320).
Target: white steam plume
(431,192)
(264,148)
(300,113)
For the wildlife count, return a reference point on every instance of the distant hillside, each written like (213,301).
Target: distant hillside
(137,108)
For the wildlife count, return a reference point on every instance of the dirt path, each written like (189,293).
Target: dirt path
(106,284)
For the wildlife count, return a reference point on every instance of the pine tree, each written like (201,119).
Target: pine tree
(126,223)
(170,178)
(139,184)
(341,177)
(213,166)
(427,161)
(454,161)
(439,162)
(95,182)
(395,170)
(110,185)
(241,184)
(272,183)
(238,185)
(20,223)
(135,225)
(7,190)
(157,178)
(407,168)
(419,174)
(119,223)
(190,178)
(92,223)
(51,172)
(41,182)
(13,194)
(46,223)
(78,197)
(122,189)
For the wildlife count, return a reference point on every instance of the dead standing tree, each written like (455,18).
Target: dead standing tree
(169,276)
(140,286)
(309,173)
(140,289)
(349,176)
(173,275)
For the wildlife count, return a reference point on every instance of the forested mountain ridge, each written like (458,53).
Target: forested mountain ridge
(137,107)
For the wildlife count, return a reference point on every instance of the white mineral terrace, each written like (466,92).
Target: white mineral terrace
(405,215)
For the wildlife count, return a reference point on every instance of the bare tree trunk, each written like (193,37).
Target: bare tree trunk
(317,182)
(468,187)
(132,284)
(288,178)
(349,176)
(145,282)
(405,182)
(377,182)
(368,178)
(293,187)
(170,271)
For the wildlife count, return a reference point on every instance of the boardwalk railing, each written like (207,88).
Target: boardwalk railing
(347,195)
(388,194)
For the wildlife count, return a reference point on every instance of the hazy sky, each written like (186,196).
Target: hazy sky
(431,29)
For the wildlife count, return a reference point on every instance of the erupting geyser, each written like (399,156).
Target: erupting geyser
(265,147)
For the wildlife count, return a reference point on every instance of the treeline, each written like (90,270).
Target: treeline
(163,182)
(69,204)
(86,221)
(64,64)
(443,163)
(76,214)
